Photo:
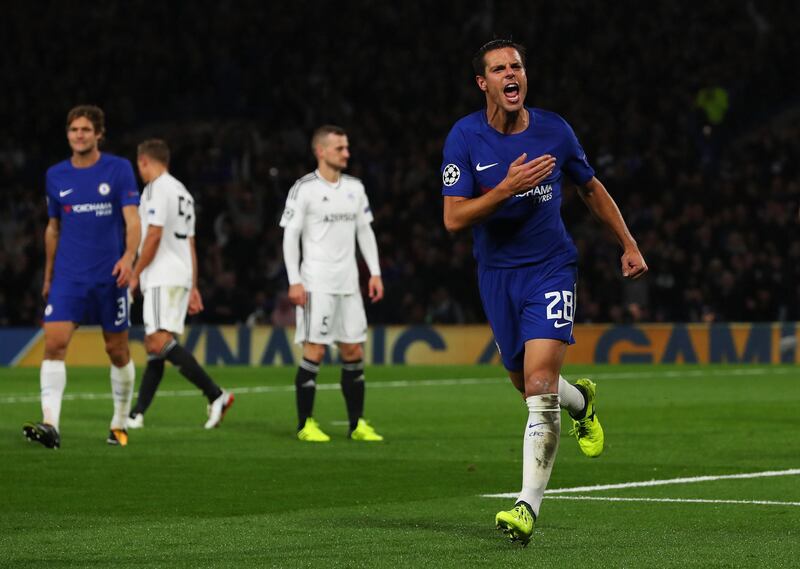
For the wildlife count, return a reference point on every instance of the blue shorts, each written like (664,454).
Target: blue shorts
(88,303)
(528,303)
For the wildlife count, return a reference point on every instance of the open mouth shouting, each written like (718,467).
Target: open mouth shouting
(511,93)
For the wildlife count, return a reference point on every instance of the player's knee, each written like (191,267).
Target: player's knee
(314,352)
(55,347)
(118,353)
(154,343)
(539,381)
(152,346)
(517,380)
(55,351)
(120,358)
(149,345)
(351,352)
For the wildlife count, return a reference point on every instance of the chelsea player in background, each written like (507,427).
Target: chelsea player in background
(90,242)
(527,262)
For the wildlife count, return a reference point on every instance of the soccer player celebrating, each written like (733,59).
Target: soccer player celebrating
(167,272)
(90,245)
(526,260)
(330,211)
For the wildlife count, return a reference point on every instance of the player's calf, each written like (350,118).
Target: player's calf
(305,384)
(151,379)
(122,380)
(353,390)
(188,366)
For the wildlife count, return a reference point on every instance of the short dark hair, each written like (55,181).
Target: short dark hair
(92,112)
(156,149)
(478,61)
(324,131)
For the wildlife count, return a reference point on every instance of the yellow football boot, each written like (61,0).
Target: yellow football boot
(364,432)
(588,430)
(516,523)
(311,432)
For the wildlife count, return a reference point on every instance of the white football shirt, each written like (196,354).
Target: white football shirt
(166,203)
(327,216)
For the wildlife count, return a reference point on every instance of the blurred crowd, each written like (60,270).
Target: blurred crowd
(688,111)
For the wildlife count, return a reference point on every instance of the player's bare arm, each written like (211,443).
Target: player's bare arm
(195,298)
(461,212)
(149,249)
(603,206)
(123,269)
(51,234)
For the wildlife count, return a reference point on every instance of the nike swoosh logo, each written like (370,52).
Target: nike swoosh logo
(480,168)
(535,425)
(63,193)
(561,324)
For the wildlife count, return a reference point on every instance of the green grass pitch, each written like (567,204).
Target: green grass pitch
(250,495)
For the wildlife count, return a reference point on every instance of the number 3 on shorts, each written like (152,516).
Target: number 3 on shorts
(565,297)
(122,311)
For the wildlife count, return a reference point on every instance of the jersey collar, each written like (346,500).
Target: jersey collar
(326,182)
(485,121)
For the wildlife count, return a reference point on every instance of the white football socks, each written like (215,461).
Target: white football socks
(52,380)
(539,447)
(122,379)
(571,397)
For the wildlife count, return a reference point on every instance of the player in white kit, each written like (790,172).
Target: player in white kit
(328,212)
(167,272)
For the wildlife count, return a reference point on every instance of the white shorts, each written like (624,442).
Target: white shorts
(328,318)
(165,309)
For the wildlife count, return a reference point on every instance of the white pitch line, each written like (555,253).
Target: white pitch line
(676,500)
(34,397)
(649,483)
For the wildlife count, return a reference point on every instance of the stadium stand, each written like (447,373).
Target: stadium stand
(693,128)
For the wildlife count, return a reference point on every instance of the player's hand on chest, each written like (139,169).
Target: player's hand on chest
(489,167)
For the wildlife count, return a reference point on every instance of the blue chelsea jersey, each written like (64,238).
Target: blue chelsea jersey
(527,229)
(88,202)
